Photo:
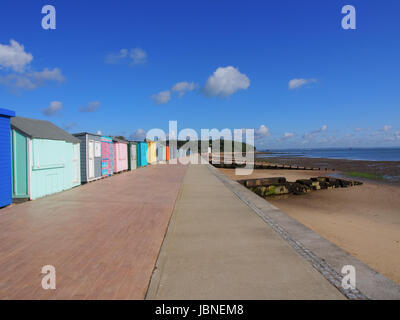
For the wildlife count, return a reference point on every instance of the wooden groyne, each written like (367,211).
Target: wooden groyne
(270,166)
(239,160)
(265,187)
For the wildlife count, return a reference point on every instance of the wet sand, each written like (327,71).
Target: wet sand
(389,171)
(363,220)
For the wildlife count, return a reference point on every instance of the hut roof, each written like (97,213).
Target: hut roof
(41,129)
(7,113)
(86,133)
(120,140)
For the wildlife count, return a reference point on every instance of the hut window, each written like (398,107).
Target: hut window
(97,149)
(47,154)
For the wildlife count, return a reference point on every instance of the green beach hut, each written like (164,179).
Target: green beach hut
(45,158)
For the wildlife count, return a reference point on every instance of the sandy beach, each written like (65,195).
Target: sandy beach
(363,220)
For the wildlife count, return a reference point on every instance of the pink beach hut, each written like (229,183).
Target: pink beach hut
(107,156)
(120,155)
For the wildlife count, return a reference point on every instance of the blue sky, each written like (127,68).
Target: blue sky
(217,64)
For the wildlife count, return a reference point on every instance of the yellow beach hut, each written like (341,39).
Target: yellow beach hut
(151,152)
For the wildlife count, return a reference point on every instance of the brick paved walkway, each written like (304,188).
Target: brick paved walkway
(103,238)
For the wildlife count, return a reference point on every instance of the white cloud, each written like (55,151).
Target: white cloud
(31,80)
(223,83)
(139,134)
(14,57)
(387,128)
(262,131)
(53,108)
(116,57)
(92,106)
(314,133)
(285,136)
(15,62)
(135,56)
(138,56)
(298,83)
(183,87)
(226,81)
(288,135)
(47,75)
(162,97)
(180,87)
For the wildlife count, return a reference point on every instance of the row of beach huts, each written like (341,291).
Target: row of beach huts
(37,158)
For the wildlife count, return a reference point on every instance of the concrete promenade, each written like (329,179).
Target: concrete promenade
(103,238)
(216,247)
(170,232)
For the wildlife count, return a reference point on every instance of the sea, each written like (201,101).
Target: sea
(368,154)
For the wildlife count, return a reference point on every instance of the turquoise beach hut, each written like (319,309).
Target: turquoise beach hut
(141,154)
(45,158)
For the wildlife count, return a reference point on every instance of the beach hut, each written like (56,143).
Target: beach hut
(172,151)
(107,156)
(5,158)
(45,158)
(161,150)
(132,155)
(167,153)
(120,154)
(90,156)
(158,151)
(151,152)
(142,154)
(164,151)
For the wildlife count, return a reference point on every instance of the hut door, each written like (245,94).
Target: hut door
(133,156)
(19,165)
(91,159)
(75,164)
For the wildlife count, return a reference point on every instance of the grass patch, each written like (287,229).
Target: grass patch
(371,176)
